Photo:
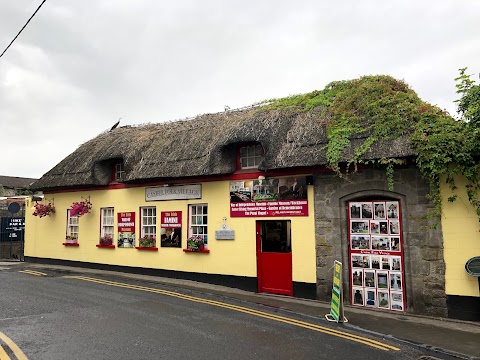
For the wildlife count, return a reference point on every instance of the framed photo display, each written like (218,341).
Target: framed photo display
(375,242)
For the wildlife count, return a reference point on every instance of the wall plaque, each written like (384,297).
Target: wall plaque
(177,192)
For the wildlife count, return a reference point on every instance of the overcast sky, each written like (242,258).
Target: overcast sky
(81,65)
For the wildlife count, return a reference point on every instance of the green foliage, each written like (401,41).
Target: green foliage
(378,108)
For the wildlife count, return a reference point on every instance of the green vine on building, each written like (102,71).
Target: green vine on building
(382,108)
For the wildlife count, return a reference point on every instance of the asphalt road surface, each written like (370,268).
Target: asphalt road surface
(52,316)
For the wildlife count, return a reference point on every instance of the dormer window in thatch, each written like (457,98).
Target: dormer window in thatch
(250,156)
(119,172)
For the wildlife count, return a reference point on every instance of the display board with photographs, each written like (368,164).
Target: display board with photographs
(376,256)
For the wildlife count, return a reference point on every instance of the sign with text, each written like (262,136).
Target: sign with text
(126,229)
(126,222)
(171,219)
(269,197)
(178,192)
(171,229)
(12,228)
(273,208)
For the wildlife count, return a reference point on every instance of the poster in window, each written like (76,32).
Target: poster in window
(397,301)
(382,279)
(396,263)
(395,243)
(379,209)
(392,210)
(394,228)
(126,229)
(370,279)
(360,242)
(355,210)
(376,257)
(367,212)
(269,197)
(383,300)
(358,296)
(396,281)
(359,227)
(371,296)
(357,278)
(171,229)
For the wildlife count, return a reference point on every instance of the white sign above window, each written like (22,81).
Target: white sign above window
(178,192)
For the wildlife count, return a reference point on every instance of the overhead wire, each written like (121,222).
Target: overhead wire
(24,26)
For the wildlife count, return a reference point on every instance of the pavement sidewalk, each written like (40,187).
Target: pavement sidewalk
(460,339)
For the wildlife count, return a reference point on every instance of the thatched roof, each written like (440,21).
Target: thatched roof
(14,182)
(206,145)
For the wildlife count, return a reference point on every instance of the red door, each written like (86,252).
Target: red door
(274,257)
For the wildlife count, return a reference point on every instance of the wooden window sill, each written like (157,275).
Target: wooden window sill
(71,244)
(105,246)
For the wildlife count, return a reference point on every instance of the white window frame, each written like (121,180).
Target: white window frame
(148,221)
(119,171)
(72,225)
(107,221)
(198,221)
(251,155)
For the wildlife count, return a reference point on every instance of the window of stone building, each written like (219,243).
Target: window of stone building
(376,254)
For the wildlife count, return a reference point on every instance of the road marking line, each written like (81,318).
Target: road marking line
(237,308)
(16,350)
(36,272)
(333,332)
(30,272)
(3,354)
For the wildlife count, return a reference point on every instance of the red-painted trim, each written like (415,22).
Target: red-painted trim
(105,246)
(146,248)
(205,251)
(71,244)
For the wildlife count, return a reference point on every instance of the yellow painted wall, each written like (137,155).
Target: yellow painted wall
(461,235)
(44,236)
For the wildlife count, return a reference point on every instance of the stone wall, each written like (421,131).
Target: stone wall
(422,245)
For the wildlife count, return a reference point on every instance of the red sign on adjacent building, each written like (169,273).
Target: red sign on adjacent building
(171,219)
(126,222)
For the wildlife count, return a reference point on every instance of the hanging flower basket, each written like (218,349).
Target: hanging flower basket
(80,208)
(195,243)
(42,210)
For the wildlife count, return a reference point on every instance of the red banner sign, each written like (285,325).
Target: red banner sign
(126,222)
(269,208)
(171,219)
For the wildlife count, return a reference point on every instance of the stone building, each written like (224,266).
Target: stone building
(256,187)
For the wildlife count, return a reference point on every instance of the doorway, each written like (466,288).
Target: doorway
(274,256)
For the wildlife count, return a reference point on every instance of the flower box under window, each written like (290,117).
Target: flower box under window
(205,251)
(151,248)
(105,246)
(71,244)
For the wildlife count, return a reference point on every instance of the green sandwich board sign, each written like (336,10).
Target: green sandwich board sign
(336,307)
